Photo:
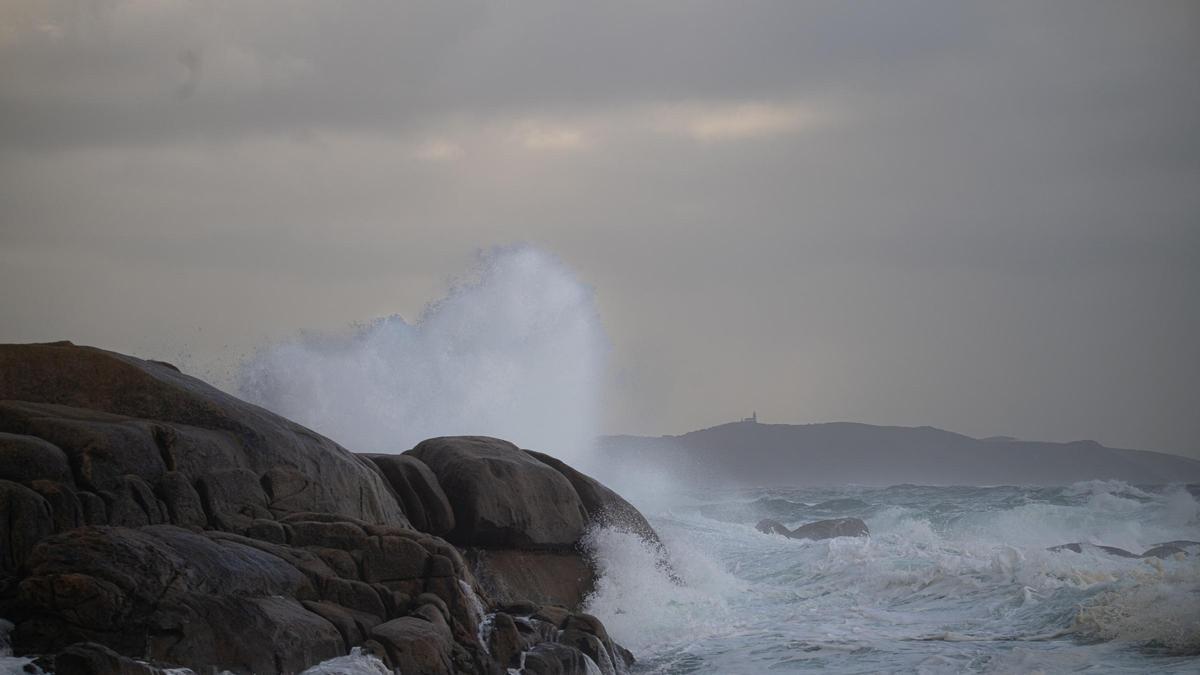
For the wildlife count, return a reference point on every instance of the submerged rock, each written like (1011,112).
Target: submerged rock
(821,529)
(768,526)
(1187,545)
(1080,547)
(501,496)
(149,521)
(827,529)
(1163,552)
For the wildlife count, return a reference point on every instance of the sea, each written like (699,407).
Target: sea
(950,580)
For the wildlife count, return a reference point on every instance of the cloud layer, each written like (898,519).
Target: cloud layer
(977,216)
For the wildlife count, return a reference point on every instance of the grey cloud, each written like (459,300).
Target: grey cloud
(993,229)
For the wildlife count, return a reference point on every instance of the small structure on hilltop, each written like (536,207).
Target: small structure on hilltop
(752,419)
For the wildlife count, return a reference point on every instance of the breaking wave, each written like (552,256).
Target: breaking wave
(515,350)
(950,580)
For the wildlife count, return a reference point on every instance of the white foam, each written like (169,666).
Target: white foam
(515,350)
(358,662)
(972,578)
(640,605)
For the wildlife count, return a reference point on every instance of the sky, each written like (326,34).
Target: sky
(983,217)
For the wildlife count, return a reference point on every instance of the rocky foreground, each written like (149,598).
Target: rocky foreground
(149,520)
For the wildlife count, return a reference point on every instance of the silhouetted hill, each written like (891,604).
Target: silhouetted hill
(842,453)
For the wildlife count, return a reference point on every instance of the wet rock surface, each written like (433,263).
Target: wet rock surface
(149,521)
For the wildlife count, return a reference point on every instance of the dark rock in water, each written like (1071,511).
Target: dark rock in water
(768,526)
(1080,547)
(89,658)
(827,529)
(1163,552)
(1074,548)
(821,529)
(1192,547)
(413,482)
(501,496)
(149,521)
(504,642)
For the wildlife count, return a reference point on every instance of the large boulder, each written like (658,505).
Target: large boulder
(416,645)
(418,490)
(118,415)
(562,578)
(501,496)
(604,507)
(28,458)
(26,519)
(175,596)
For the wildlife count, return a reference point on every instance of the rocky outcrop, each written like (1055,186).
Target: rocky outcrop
(502,497)
(1162,551)
(115,415)
(148,521)
(510,577)
(602,506)
(821,529)
(418,490)
(520,515)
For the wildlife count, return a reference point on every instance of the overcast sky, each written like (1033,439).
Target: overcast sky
(978,216)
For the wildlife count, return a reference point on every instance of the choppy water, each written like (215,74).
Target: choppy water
(950,580)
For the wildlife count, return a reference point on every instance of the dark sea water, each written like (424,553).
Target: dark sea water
(952,579)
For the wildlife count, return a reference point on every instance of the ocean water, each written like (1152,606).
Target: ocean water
(952,579)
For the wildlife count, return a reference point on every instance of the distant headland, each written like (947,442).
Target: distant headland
(841,453)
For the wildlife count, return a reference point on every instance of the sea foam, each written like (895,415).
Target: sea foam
(514,350)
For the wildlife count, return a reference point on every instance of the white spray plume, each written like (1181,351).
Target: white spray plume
(515,350)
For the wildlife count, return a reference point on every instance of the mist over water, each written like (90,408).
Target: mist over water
(515,350)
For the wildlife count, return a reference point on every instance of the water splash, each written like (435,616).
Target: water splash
(515,350)
(358,662)
(950,580)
